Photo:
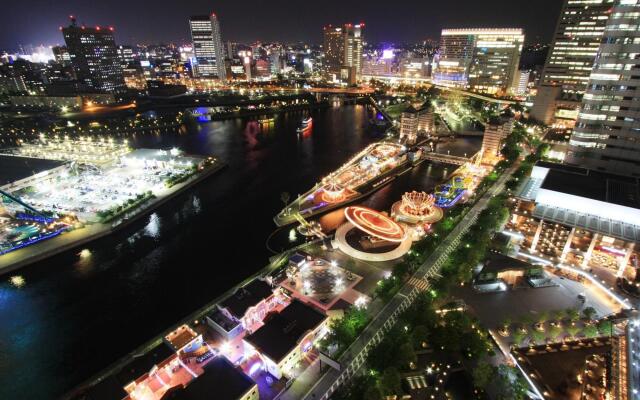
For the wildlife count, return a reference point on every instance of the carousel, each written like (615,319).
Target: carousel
(417,208)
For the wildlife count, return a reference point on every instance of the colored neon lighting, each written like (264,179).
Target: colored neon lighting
(255,367)
(32,241)
(375,223)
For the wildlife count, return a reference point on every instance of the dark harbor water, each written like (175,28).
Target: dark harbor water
(82,310)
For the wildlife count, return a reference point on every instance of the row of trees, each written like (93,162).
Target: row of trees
(419,327)
(179,178)
(344,331)
(111,213)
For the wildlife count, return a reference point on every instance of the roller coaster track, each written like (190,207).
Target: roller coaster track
(22,203)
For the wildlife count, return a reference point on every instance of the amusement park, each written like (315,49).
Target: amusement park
(361,175)
(63,184)
(371,235)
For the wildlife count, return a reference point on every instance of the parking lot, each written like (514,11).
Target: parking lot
(87,190)
(493,308)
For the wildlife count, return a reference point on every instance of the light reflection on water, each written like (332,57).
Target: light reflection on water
(91,311)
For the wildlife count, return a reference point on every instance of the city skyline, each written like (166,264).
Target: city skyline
(262,21)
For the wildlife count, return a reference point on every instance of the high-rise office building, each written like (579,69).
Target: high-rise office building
(570,59)
(207,47)
(94,57)
(125,53)
(485,60)
(343,51)
(61,55)
(607,131)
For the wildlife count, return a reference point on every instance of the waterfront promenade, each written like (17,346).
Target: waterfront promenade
(354,357)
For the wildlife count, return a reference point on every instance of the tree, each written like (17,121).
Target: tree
(573,314)
(419,336)
(573,330)
(538,337)
(372,393)
(518,338)
(589,313)
(483,374)
(605,328)
(555,332)
(285,197)
(510,386)
(543,317)
(406,356)
(590,331)
(390,383)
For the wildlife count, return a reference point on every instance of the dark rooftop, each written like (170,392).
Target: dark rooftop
(497,262)
(113,386)
(247,296)
(424,107)
(16,168)
(221,380)
(283,331)
(591,184)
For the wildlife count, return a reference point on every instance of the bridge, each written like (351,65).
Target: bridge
(455,160)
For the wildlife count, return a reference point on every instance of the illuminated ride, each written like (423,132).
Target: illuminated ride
(333,192)
(371,236)
(449,194)
(417,208)
(375,224)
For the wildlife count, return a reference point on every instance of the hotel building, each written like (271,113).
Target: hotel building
(607,132)
(343,52)
(484,60)
(571,56)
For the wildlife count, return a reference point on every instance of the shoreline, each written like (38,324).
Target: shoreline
(274,263)
(383,180)
(67,241)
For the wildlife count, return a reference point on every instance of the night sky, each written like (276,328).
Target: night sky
(154,21)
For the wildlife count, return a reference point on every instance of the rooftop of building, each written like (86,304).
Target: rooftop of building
(222,320)
(16,168)
(220,380)
(162,156)
(181,337)
(482,31)
(591,184)
(112,387)
(418,109)
(283,331)
(247,296)
(497,262)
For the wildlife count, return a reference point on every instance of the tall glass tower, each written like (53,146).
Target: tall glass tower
(607,132)
(570,59)
(207,47)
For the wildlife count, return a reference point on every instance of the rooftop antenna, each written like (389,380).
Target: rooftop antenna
(73,20)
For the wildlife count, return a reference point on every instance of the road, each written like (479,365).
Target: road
(355,356)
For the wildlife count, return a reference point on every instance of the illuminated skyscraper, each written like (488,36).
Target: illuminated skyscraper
(94,57)
(570,59)
(486,60)
(207,47)
(343,51)
(607,131)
